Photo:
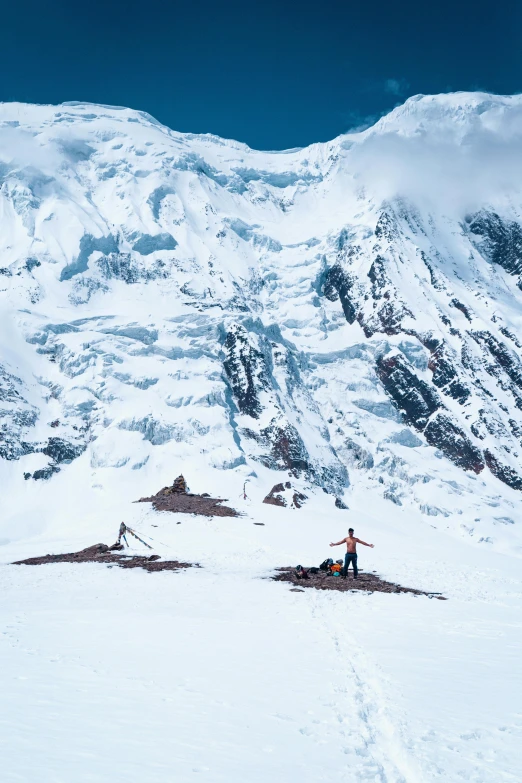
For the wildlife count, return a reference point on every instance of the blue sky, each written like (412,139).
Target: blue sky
(272,74)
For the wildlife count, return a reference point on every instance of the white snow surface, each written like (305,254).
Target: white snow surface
(222,674)
(129,256)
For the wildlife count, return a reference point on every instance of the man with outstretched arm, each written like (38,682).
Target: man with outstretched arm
(351,552)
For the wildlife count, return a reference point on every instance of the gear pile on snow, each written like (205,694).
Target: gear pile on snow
(324,580)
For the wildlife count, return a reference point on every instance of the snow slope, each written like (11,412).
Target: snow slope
(345,317)
(220,674)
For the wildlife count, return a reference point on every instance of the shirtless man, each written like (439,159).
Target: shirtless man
(351,552)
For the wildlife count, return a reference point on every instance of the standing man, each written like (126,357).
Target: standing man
(351,552)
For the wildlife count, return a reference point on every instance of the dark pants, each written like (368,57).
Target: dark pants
(349,558)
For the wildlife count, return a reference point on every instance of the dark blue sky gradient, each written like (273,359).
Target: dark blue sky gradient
(272,74)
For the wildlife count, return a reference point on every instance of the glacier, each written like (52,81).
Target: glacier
(345,316)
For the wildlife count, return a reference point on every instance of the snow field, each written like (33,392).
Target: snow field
(220,673)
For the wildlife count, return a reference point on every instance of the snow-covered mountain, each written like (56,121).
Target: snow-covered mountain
(346,316)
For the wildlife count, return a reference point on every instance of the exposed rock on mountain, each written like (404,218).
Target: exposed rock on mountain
(267,386)
(178,500)
(500,241)
(285,495)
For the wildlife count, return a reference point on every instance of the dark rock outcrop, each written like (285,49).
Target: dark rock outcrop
(187,503)
(386,228)
(458,305)
(446,376)
(179,487)
(62,451)
(503,472)
(379,278)
(276,496)
(101,553)
(338,285)
(44,473)
(435,276)
(387,310)
(415,398)
(504,360)
(288,451)
(505,331)
(421,407)
(298,499)
(442,433)
(244,367)
(500,241)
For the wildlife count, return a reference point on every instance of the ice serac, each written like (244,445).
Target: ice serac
(17,417)
(344,315)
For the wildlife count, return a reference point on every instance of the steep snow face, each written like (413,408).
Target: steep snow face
(344,315)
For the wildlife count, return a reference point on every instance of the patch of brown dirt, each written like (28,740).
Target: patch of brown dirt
(276,496)
(101,553)
(180,502)
(367,582)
